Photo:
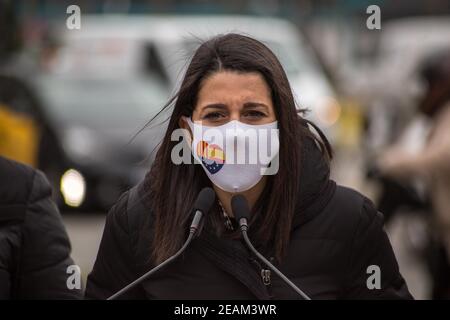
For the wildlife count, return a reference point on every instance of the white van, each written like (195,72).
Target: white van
(113,44)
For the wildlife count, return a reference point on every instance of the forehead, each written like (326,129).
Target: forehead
(235,85)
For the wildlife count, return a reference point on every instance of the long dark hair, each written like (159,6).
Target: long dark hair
(172,188)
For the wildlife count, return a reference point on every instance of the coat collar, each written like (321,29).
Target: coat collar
(316,188)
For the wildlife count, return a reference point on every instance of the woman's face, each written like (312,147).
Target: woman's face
(228,95)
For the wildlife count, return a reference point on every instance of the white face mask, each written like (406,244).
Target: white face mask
(236,155)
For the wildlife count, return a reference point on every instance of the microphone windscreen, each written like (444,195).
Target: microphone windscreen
(205,200)
(240,208)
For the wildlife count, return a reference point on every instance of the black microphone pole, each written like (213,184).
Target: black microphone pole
(241,211)
(202,204)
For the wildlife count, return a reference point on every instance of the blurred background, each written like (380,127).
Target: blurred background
(74,102)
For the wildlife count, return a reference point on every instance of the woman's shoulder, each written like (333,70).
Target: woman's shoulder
(119,261)
(132,216)
(130,209)
(347,214)
(354,206)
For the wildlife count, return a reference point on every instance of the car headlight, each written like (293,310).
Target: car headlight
(73,188)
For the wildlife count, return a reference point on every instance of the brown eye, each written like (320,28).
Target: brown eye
(213,116)
(253,114)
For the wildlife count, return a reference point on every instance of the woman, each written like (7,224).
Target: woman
(431,165)
(322,237)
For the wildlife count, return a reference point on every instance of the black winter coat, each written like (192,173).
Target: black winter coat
(34,247)
(337,236)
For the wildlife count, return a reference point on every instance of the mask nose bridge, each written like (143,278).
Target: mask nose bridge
(230,137)
(234,126)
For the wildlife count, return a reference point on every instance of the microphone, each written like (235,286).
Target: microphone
(202,205)
(241,212)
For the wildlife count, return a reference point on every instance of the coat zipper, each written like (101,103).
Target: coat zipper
(265,273)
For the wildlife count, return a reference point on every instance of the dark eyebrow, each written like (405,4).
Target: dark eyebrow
(215,106)
(247,105)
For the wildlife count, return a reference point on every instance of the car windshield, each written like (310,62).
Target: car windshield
(102,101)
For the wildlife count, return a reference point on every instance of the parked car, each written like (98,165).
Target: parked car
(77,129)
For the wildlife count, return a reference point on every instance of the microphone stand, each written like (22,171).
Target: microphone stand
(193,229)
